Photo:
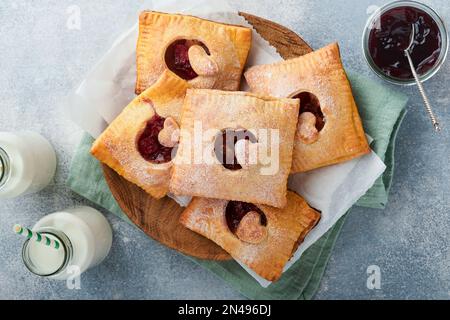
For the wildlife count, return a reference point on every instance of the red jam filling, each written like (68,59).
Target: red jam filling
(224,146)
(310,103)
(388,42)
(177,58)
(236,210)
(148,144)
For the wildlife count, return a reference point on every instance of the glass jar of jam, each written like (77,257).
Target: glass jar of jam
(387,35)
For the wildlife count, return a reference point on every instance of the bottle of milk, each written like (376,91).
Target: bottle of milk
(27,163)
(85,237)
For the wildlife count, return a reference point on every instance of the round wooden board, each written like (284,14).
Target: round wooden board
(159,218)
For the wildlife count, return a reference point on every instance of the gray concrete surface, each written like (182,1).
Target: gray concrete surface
(41,61)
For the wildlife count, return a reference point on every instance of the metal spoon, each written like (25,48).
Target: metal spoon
(436,125)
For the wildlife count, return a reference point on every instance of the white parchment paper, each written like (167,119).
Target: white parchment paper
(109,87)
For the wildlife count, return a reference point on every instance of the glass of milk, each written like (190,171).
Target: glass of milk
(27,163)
(85,237)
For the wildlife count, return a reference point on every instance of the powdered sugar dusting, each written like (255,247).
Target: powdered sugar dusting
(285,227)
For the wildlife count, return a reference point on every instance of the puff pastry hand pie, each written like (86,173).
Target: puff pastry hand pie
(262,237)
(329,128)
(235,146)
(139,143)
(208,54)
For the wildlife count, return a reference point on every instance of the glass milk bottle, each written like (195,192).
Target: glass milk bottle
(85,237)
(27,163)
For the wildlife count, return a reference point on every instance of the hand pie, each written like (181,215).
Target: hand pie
(262,237)
(140,142)
(207,54)
(235,146)
(329,128)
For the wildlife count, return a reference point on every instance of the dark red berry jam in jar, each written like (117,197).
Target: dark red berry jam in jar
(388,33)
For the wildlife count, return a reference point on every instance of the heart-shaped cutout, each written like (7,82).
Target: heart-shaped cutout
(202,63)
(170,134)
(307,130)
(310,103)
(250,229)
(148,144)
(225,146)
(177,58)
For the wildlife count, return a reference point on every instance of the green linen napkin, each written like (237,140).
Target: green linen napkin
(382,111)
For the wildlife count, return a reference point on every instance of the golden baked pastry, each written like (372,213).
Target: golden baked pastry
(329,129)
(140,142)
(262,237)
(208,54)
(235,146)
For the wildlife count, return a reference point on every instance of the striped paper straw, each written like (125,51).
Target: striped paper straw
(36,236)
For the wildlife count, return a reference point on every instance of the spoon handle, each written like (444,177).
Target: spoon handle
(436,125)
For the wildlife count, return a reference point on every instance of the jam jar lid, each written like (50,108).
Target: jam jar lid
(372,22)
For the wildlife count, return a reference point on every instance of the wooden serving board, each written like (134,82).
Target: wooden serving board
(159,218)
